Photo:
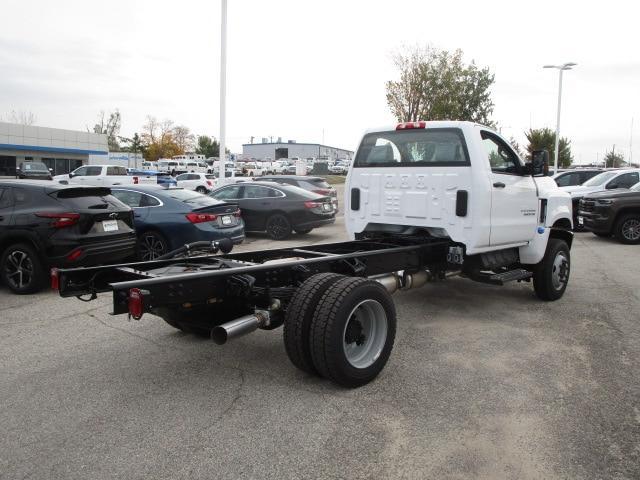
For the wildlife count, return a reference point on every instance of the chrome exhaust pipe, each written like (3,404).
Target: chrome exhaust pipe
(237,328)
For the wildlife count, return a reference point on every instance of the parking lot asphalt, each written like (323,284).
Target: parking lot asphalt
(484,382)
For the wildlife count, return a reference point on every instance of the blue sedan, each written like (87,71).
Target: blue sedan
(167,218)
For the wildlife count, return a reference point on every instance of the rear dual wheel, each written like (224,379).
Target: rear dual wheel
(343,330)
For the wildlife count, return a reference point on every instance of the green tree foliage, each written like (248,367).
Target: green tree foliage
(207,146)
(109,126)
(133,144)
(614,160)
(437,85)
(545,139)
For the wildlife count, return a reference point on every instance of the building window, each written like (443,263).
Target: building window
(7,166)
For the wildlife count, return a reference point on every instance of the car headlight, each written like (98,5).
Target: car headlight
(604,201)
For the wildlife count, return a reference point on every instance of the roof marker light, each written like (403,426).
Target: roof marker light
(411,125)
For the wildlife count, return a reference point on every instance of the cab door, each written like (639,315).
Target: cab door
(514,199)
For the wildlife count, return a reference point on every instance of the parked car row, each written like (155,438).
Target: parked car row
(45,224)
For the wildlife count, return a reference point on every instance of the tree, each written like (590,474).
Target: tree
(516,146)
(614,160)
(545,139)
(158,139)
(437,85)
(183,138)
(21,117)
(109,127)
(135,144)
(208,146)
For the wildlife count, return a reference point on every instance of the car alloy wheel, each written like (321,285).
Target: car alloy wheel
(631,229)
(19,269)
(151,246)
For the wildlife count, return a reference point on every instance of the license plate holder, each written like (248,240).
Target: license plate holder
(327,207)
(580,221)
(226,220)
(109,225)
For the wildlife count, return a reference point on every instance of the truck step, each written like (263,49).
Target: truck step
(503,277)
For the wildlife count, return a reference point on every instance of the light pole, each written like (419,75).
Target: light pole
(223,91)
(560,68)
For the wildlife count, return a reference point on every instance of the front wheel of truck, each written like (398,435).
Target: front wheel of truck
(551,275)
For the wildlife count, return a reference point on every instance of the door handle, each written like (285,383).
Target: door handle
(499,185)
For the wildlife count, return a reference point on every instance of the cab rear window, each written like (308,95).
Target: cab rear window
(413,148)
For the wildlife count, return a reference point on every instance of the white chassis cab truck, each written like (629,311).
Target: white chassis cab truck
(424,200)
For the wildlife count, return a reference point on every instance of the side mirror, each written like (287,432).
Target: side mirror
(539,163)
(70,174)
(611,185)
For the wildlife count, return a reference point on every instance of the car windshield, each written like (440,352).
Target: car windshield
(599,179)
(191,197)
(35,166)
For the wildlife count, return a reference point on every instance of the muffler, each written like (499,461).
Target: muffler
(394,282)
(237,328)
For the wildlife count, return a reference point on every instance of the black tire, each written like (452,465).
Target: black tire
(21,269)
(551,275)
(201,190)
(278,227)
(151,245)
(303,231)
(331,338)
(297,319)
(627,229)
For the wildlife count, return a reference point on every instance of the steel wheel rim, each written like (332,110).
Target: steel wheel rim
(631,229)
(560,271)
(365,334)
(19,269)
(152,247)
(278,227)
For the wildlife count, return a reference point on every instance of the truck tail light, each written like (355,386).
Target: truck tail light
(60,220)
(136,303)
(312,204)
(201,217)
(411,125)
(55,279)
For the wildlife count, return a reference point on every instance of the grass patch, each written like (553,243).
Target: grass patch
(334,179)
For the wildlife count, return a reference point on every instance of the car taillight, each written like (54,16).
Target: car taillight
(60,220)
(136,303)
(55,279)
(322,191)
(209,183)
(312,204)
(237,213)
(74,255)
(411,125)
(201,217)
(135,180)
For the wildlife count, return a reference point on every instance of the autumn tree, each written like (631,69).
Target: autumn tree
(437,85)
(613,159)
(545,139)
(109,126)
(183,138)
(158,139)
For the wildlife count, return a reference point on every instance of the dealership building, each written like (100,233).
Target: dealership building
(290,149)
(60,150)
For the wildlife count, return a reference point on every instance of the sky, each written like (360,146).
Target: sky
(315,71)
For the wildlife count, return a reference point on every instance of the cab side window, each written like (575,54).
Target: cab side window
(626,180)
(80,172)
(501,157)
(93,171)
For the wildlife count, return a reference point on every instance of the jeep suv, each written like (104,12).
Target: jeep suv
(612,212)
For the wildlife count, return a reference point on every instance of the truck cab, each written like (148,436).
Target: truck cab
(455,180)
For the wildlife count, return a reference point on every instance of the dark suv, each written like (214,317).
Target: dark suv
(612,212)
(33,171)
(45,224)
(313,184)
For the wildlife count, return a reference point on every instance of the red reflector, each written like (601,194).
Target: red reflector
(411,125)
(60,220)
(312,204)
(201,217)
(135,180)
(74,255)
(136,303)
(55,279)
